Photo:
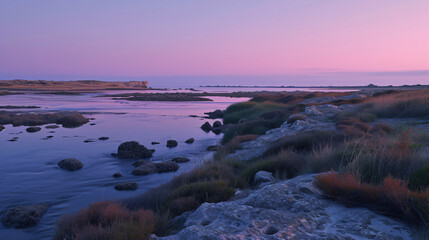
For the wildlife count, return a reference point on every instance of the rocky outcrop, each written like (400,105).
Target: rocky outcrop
(81,85)
(24,216)
(1,128)
(291,209)
(70,164)
(66,119)
(133,150)
(206,127)
(126,186)
(146,167)
(262,177)
(171,143)
(215,114)
(33,129)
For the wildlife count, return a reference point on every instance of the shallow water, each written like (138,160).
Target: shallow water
(28,167)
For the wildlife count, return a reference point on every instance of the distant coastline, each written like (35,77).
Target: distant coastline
(370,86)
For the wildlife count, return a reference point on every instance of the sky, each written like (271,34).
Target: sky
(246,42)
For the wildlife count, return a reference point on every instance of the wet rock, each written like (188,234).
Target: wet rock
(144,169)
(126,186)
(213,148)
(92,124)
(51,131)
(67,119)
(71,164)
(291,209)
(154,143)
(263,177)
(166,166)
(89,140)
(24,216)
(33,129)
(117,175)
(103,138)
(190,140)
(215,114)
(1,128)
(171,143)
(217,124)
(52,126)
(206,127)
(14,139)
(180,159)
(133,150)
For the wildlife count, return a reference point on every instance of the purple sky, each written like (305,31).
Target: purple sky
(244,42)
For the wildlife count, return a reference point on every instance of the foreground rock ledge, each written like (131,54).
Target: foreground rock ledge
(24,216)
(291,209)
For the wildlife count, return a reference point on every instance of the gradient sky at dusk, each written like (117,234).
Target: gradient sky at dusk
(327,42)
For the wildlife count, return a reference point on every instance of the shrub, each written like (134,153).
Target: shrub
(213,191)
(420,178)
(249,111)
(381,129)
(255,127)
(391,197)
(232,145)
(106,220)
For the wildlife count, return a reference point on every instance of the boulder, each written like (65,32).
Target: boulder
(24,216)
(1,128)
(144,169)
(133,150)
(206,127)
(154,143)
(180,159)
(215,114)
(126,186)
(52,126)
(291,209)
(117,175)
(262,177)
(171,143)
(217,124)
(33,129)
(190,140)
(103,138)
(166,166)
(71,164)
(294,117)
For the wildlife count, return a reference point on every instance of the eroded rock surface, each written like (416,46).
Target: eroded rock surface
(291,209)
(24,216)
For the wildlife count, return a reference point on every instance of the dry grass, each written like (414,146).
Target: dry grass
(106,220)
(413,103)
(391,197)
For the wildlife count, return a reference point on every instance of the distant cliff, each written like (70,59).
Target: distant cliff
(81,85)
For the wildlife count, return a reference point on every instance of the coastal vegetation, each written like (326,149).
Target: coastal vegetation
(363,162)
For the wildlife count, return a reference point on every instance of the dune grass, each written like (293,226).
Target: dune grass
(249,111)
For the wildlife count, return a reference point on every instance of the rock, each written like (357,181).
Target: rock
(126,186)
(213,148)
(215,114)
(312,111)
(71,164)
(103,138)
(190,140)
(92,124)
(154,143)
(33,129)
(242,120)
(166,166)
(133,150)
(50,136)
(262,177)
(14,139)
(206,127)
(144,169)
(294,117)
(117,175)
(291,209)
(89,140)
(171,143)
(180,159)
(217,124)
(24,216)
(52,126)
(1,128)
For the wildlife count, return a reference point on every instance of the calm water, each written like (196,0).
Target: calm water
(28,167)
(28,170)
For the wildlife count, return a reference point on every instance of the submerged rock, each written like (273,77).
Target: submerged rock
(24,216)
(291,209)
(213,148)
(180,159)
(126,186)
(133,150)
(154,143)
(190,140)
(144,169)
(103,138)
(71,164)
(206,127)
(52,126)
(171,143)
(1,128)
(117,175)
(33,129)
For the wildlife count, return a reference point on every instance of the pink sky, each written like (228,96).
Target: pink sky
(99,39)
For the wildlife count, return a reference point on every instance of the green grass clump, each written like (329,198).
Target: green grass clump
(249,111)
(420,178)
(255,127)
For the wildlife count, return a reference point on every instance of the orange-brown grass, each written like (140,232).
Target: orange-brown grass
(106,220)
(413,103)
(391,197)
